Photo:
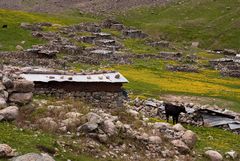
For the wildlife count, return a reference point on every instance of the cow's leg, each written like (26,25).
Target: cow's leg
(167,117)
(177,119)
(174,119)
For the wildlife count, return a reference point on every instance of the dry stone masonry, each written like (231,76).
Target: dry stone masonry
(14,92)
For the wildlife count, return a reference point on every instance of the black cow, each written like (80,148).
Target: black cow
(174,111)
(5,26)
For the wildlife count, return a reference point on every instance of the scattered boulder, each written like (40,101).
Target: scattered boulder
(33,157)
(190,138)
(181,146)
(109,128)
(213,155)
(19,48)
(178,127)
(10,113)
(88,127)
(103,138)
(93,118)
(232,154)
(70,123)
(155,140)
(161,125)
(133,112)
(6,151)
(48,124)
(195,44)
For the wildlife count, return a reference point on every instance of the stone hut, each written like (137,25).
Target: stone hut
(101,89)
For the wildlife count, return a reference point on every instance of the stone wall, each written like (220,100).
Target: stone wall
(96,99)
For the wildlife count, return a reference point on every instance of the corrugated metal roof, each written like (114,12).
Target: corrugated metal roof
(213,121)
(234,126)
(115,77)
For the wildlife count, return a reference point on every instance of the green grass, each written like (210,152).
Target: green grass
(150,79)
(215,24)
(211,138)
(138,46)
(25,141)
(216,139)
(112,32)
(14,35)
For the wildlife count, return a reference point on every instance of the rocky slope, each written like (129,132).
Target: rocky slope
(84,5)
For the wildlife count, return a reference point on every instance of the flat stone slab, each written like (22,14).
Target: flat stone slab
(102,52)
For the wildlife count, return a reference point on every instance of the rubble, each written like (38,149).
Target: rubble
(112,24)
(183,68)
(228,66)
(134,34)
(196,115)
(102,35)
(29,26)
(160,44)
(170,55)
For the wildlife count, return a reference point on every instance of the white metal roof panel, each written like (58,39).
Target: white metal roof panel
(106,77)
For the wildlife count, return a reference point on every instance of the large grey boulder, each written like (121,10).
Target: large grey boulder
(190,138)
(213,155)
(21,98)
(178,127)
(23,86)
(232,154)
(10,113)
(161,125)
(6,151)
(33,157)
(48,124)
(181,146)
(109,127)
(155,140)
(93,118)
(88,127)
(133,113)
(70,123)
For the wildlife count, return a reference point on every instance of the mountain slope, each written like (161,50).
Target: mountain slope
(215,24)
(94,6)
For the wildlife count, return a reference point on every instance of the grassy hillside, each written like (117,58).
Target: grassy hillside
(14,35)
(213,23)
(25,141)
(151,79)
